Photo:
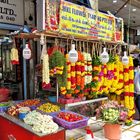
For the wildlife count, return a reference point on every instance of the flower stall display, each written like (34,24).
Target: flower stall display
(41,123)
(113,115)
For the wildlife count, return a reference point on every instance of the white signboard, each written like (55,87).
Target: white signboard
(11,11)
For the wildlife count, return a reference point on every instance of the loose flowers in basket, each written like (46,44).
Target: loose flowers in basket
(113,115)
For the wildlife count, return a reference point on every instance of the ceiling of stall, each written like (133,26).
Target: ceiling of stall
(109,5)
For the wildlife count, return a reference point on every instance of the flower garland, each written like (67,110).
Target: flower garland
(45,72)
(115,80)
(120,86)
(82,72)
(68,73)
(88,67)
(79,68)
(126,86)
(58,69)
(97,75)
(73,76)
(57,61)
(131,89)
(105,83)
(14,56)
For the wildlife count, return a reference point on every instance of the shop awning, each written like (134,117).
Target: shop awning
(10,26)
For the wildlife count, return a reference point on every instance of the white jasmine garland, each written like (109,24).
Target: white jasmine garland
(45,70)
(88,68)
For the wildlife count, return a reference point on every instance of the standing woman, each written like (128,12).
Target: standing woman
(137,83)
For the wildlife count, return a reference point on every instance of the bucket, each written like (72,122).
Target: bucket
(112,131)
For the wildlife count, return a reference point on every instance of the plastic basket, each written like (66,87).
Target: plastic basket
(3,109)
(70,125)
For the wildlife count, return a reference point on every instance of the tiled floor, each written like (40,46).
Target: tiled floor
(129,132)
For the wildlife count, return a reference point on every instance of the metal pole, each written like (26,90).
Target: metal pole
(57,90)
(24,72)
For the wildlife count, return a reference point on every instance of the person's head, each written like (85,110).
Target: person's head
(136,62)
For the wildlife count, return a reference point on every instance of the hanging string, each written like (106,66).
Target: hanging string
(92,52)
(67,45)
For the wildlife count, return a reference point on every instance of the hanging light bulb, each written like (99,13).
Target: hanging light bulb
(42,40)
(73,54)
(104,57)
(125,59)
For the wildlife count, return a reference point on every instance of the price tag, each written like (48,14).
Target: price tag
(27,53)
(73,55)
(104,56)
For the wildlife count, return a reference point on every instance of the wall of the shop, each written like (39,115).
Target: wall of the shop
(30,13)
(132,35)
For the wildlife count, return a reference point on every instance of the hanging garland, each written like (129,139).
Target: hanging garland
(96,80)
(131,92)
(116,75)
(58,69)
(120,86)
(14,55)
(80,79)
(45,72)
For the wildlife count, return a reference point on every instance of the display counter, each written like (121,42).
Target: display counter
(14,129)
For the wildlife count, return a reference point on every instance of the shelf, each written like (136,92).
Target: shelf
(27,36)
(85,102)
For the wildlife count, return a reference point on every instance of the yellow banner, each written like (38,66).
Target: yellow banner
(79,21)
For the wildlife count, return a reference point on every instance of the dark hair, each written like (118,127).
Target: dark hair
(136,62)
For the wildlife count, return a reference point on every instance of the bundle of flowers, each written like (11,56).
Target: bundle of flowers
(112,112)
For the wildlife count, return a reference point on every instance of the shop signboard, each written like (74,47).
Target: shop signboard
(119,30)
(11,12)
(80,21)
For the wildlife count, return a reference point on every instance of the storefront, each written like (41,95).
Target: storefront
(11,19)
(81,66)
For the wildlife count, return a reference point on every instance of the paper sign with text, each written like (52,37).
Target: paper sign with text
(11,11)
(83,22)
